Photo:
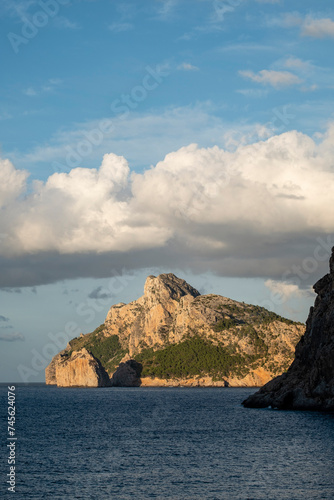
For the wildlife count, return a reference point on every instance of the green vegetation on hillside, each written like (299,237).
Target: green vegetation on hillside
(224,324)
(253,314)
(107,350)
(194,356)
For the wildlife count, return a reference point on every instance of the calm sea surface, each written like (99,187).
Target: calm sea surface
(168,443)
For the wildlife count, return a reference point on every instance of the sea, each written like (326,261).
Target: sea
(163,443)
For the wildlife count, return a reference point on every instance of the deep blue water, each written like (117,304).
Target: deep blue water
(165,443)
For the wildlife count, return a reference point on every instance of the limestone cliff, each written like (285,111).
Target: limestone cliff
(80,369)
(179,337)
(157,316)
(309,382)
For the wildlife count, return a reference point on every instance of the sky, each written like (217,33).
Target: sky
(149,136)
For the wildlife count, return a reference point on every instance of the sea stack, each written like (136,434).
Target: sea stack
(309,382)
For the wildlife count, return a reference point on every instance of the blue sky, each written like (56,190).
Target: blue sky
(246,213)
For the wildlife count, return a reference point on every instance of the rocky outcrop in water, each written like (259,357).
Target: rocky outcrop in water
(309,382)
(80,369)
(179,337)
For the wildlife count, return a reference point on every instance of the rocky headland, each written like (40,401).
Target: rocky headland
(309,382)
(174,336)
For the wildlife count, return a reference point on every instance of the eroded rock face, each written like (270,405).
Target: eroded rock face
(150,319)
(50,370)
(80,369)
(309,382)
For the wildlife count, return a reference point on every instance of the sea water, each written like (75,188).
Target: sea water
(164,443)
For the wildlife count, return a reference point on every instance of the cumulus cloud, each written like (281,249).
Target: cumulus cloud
(284,290)
(276,79)
(240,213)
(309,25)
(12,182)
(318,28)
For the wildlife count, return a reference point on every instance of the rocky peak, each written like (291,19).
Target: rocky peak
(166,287)
(173,313)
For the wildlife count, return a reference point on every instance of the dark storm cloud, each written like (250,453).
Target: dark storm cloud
(301,259)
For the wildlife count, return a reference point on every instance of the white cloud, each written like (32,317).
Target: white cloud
(205,202)
(284,290)
(187,67)
(85,210)
(120,27)
(12,182)
(277,79)
(309,25)
(318,28)
(297,64)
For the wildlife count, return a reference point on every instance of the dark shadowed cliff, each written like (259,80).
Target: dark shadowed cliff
(309,382)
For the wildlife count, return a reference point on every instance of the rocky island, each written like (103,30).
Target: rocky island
(174,336)
(309,382)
